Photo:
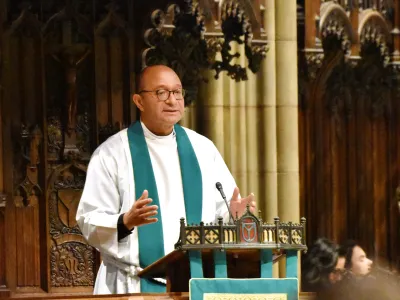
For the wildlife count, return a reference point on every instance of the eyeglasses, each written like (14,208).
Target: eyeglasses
(341,272)
(163,95)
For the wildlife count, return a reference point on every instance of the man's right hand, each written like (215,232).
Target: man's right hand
(140,213)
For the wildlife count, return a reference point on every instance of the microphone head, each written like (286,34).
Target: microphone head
(218,185)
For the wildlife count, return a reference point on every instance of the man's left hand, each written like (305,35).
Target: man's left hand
(238,205)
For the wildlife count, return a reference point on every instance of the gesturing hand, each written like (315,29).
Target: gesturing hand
(140,213)
(238,206)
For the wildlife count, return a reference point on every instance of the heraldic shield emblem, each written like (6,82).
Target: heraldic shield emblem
(248,230)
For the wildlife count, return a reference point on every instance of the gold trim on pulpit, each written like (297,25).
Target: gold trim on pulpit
(231,296)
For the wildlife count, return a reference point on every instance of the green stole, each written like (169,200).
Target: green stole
(151,242)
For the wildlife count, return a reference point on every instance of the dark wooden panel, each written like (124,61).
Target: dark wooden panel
(352,161)
(339,176)
(49,58)
(28,256)
(10,117)
(2,242)
(116,79)
(326,174)
(394,178)
(70,140)
(353,172)
(101,89)
(23,56)
(3,200)
(113,76)
(380,189)
(304,137)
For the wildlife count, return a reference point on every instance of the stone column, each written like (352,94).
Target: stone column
(269,206)
(287,111)
(189,117)
(268,90)
(253,112)
(286,107)
(238,126)
(211,109)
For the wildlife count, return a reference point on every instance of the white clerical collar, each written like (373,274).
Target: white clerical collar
(148,134)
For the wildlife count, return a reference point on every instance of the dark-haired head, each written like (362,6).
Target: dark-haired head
(356,259)
(346,250)
(319,266)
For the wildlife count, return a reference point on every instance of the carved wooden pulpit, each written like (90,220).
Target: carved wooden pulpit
(244,249)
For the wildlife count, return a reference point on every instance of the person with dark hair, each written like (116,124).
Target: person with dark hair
(357,281)
(340,273)
(322,266)
(357,261)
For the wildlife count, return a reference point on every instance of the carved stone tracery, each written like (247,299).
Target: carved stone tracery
(340,88)
(374,30)
(236,28)
(354,79)
(179,39)
(345,72)
(334,23)
(180,45)
(314,59)
(375,78)
(335,33)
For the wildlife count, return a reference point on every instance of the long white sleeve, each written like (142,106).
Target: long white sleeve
(110,190)
(99,207)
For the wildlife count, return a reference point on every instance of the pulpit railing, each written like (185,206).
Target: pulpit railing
(247,232)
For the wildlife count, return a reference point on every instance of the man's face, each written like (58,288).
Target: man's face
(157,112)
(360,264)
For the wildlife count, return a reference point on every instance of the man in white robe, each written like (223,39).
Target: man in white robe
(112,212)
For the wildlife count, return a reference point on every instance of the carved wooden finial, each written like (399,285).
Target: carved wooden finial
(3,200)
(24,131)
(248,207)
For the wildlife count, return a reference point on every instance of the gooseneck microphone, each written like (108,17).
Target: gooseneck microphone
(218,185)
